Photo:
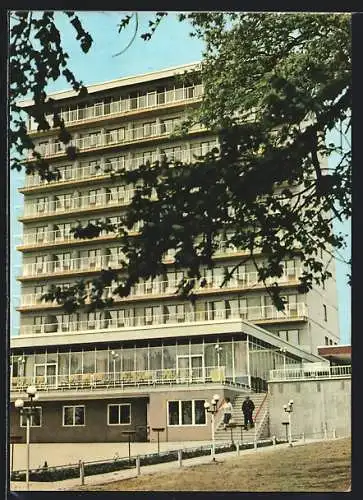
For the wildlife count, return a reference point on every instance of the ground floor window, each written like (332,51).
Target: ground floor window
(186,412)
(119,414)
(35,418)
(73,416)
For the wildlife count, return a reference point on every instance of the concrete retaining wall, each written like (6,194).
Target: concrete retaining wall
(318,405)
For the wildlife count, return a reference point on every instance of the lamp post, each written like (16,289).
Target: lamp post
(288,409)
(218,349)
(212,409)
(28,411)
(114,356)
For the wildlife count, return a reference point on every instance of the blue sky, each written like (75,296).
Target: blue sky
(170,46)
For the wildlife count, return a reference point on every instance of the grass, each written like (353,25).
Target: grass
(323,466)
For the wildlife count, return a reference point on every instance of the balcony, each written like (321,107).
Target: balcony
(314,371)
(70,266)
(296,312)
(127,106)
(91,173)
(121,379)
(59,237)
(111,140)
(158,289)
(80,204)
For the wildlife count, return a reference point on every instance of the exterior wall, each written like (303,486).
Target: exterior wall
(95,429)
(158,414)
(320,404)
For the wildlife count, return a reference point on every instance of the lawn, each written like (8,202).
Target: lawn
(323,466)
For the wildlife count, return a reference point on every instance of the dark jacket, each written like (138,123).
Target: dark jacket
(248,406)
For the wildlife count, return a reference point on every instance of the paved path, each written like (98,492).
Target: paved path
(72,484)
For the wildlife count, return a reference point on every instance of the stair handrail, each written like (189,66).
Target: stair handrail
(219,407)
(261,424)
(260,407)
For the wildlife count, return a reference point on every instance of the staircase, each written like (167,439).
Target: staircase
(261,422)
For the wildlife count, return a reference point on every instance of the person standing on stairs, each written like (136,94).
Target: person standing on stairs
(247,409)
(227,410)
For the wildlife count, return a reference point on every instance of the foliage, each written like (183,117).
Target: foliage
(275,86)
(36,57)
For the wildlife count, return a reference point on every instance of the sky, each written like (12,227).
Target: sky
(170,45)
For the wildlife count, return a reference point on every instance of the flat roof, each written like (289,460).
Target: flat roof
(117,82)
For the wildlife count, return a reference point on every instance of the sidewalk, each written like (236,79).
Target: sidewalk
(75,484)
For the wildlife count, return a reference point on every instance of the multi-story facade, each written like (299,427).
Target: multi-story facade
(152,359)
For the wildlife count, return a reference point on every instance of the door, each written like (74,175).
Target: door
(46,374)
(190,368)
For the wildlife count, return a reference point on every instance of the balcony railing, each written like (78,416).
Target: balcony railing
(88,172)
(156,288)
(255,313)
(311,372)
(72,265)
(147,101)
(58,236)
(121,379)
(102,140)
(77,204)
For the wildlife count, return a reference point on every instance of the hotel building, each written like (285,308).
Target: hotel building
(151,360)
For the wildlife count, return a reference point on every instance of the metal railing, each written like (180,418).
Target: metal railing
(76,204)
(256,313)
(72,173)
(121,378)
(146,101)
(311,372)
(55,236)
(71,265)
(101,140)
(153,287)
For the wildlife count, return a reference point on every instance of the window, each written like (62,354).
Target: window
(119,414)
(325,311)
(41,204)
(283,334)
(186,412)
(73,416)
(94,196)
(116,135)
(326,340)
(38,322)
(148,129)
(35,419)
(40,233)
(330,342)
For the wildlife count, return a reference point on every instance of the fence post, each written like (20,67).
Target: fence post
(237,448)
(138,465)
(334,433)
(325,433)
(255,444)
(274,440)
(303,437)
(81,471)
(180,458)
